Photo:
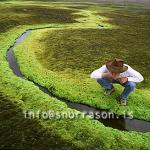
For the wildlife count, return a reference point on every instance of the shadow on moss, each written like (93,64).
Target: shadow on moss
(16,132)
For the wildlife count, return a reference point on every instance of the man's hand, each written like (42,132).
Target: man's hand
(123,80)
(114,76)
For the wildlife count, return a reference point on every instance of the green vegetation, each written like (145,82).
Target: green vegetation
(90,48)
(13,15)
(17,95)
(62,59)
(24,133)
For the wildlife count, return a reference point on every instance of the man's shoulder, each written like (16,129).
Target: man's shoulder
(103,68)
(129,67)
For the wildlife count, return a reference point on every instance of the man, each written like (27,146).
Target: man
(116,71)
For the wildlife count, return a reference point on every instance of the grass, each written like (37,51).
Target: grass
(13,15)
(25,133)
(17,95)
(88,49)
(62,60)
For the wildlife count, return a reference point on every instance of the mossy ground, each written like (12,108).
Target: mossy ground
(62,59)
(17,95)
(88,49)
(15,14)
(24,133)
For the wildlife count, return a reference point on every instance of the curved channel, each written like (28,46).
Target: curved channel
(114,121)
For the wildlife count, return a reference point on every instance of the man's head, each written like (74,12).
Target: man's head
(116,66)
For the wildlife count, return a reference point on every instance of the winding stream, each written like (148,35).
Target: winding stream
(117,122)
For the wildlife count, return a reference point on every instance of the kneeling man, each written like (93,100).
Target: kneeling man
(116,71)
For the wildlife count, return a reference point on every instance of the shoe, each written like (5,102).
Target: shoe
(123,102)
(109,91)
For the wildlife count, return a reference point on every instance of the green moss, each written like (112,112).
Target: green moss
(62,60)
(14,15)
(17,95)
(16,132)
(88,49)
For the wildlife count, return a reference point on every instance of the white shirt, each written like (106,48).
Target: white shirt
(131,74)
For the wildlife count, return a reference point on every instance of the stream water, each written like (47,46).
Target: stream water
(117,122)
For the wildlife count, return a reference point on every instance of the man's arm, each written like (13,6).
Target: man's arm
(134,75)
(97,74)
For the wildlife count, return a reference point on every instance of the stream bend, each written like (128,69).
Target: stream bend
(117,122)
